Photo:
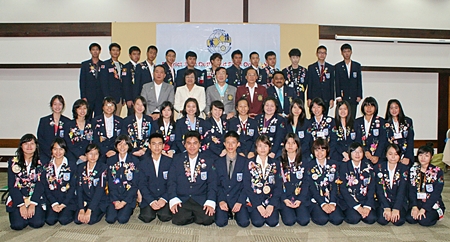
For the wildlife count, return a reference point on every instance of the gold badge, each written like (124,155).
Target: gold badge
(297,191)
(266,189)
(260,97)
(16,168)
(230,97)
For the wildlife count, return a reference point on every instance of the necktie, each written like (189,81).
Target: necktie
(322,74)
(230,167)
(244,126)
(281,98)
(357,170)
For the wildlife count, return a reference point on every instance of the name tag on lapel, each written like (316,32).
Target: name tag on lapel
(204,175)
(165,174)
(239,177)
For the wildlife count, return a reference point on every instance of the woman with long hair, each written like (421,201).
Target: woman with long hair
(343,134)
(165,125)
(297,123)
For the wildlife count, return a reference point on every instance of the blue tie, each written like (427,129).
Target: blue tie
(281,97)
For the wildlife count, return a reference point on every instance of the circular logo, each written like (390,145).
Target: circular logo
(219,42)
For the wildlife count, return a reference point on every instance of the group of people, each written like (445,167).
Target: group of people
(242,149)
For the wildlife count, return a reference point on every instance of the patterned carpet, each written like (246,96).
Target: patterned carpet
(136,231)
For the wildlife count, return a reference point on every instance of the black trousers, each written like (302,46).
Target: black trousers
(148,214)
(191,212)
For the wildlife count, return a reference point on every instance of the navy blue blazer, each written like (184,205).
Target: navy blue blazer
(91,187)
(169,138)
(376,140)
(231,190)
(77,140)
(141,77)
(89,79)
(153,187)
(262,76)
(432,187)
(325,125)
(306,139)
(199,77)
(316,88)
(269,74)
(61,189)
(128,79)
(111,80)
(20,185)
(212,139)
(169,78)
(129,127)
(395,197)
(210,76)
(295,183)
(349,88)
(297,79)
(255,184)
(322,181)
(276,131)
(204,185)
(288,94)
(46,135)
(247,138)
(123,180)
(406,142)
(106,144)
(357,188)
(235,76)
(339,142)
(182,127)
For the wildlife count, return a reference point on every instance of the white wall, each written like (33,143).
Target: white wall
(208,11)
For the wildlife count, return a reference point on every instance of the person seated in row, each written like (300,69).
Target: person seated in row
(215,129)
(190,122)
(190,90)
(223,92)
(165,125)
(320,125)
(282,93)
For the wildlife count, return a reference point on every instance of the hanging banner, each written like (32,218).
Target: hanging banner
(206,39)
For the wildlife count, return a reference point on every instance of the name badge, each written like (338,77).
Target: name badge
(172,137)
(325,132)
(200,130)
(321,134)
(366,181)
(271,180)
(355,74)
(95,182)
(118,132)
(251,132)
(301,134)
(239,177)
(398,135)
(331,177)
(61,133)
(327,75)
(130,176)
(299,175)
(165,174)
(353,136)
(376,132)
(111,70)
(204,175)
(421,195)
(124,73)
(405,133)
(66,176)
(429,187)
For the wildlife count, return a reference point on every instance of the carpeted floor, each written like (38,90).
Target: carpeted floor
(136,231)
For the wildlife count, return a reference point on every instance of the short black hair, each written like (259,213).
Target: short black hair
(397,149)
(321,47)
(270,98)
(134,48)
(320,143)
(220,68)
(127,139)
(269,53)
(94,45)
(191,54)
(232,134)
(152,47)
(279,73)
(370,101)
(214,56)
(353,147)
(428,148)
(240,100)
(295,52)
(61,142)
(236,52)
(253,53)
(263,139)
(112,45)
(92,147)
(346,47)
(319,102)
(192,134)
(78,103)
(159,66)
(170,50)
(155,136)
(194,100)
(218,104)
(60,98)
(110,100)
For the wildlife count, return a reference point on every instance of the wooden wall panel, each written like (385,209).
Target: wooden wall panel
(54,29)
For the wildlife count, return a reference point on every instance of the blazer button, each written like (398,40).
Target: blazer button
(229,186)
(228,195)
(157,189)
(190,186)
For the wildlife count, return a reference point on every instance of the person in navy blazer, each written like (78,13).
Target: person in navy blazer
(261,74)
(297,123)
(400,131)
(246,127)
(190,122)
(90,88)
(391,179)
(270,68)
(321,80)
(296,75)
(374,141)
(50,127)
(287,93)
(263,185)
(192,185)
(343,133)
(92,200)
(138,127)
(169,67)
(295,200)
(216,61)
(103,138)
(25,202)
(348,79)
(60,185)
(153,173)
(78,133)
(144,71)
(320,125)
(425,190)
(322,175)
(273,125)
(231,195)
(191,61)
(111,77)
(128,77)
(165,125)
(123,180)
(235,72)
(357,187)
(215,128)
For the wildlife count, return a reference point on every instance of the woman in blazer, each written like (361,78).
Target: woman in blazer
(165,125)
(297,123)
(343,134)
(189,122)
